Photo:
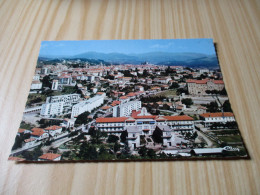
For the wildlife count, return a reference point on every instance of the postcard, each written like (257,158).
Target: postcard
(128,100)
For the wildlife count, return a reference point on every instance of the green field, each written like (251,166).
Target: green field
(231,138)
(167,93)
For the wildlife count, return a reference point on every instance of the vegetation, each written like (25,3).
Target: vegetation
(157,135)
(187,101)
(82,118)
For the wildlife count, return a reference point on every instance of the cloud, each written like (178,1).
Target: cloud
(161,46)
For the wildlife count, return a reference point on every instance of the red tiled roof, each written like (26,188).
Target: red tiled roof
(123,97)
(53,128)
(111,120)
(21,130)
(105,107)
(131,94)
(145,117)
(203,81)
(16,158)
(36,129)
(37,132)
(179,118)
(218,81)
(217,114)
(100,93)
(49,156)
(135,113)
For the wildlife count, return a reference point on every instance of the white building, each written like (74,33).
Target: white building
(55,84)
(60,104)
(50,109)
(36,77)
(218,117)
(126,108)
(87,106)
(36,84)
(204,70)
(146,123)
(53,130)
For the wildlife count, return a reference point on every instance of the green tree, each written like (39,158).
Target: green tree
(142,151)
(82,118)
(112,138)
(187,101)
(97,136)
(87,152)
(46,81)
(123,136)
(227,106)
(212,107)
(157,135)
(174,85)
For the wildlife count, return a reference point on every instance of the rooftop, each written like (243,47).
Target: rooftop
(217,114)
(49,156)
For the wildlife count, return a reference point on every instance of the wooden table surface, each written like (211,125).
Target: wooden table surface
(233,24)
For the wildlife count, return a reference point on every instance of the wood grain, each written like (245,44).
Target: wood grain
(233,24)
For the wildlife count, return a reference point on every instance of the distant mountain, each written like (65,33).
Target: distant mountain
(159,58)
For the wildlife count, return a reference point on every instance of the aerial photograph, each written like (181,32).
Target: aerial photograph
(128,100)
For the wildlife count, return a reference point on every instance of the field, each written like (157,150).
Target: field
(169,93)
(228,139)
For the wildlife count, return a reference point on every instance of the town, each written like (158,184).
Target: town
(81,110)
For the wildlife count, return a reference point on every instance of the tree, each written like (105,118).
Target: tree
(116,147)
(87,152)
(166,107)
(227,106)
(187,101)
(212,107)
(142,151)
(82,118)
(151,153)
(157,135)
(123,136)
(46,82)
(112,139)
(97,136)
(174,85)
(18,142)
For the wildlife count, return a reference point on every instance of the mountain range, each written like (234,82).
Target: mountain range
(195,60)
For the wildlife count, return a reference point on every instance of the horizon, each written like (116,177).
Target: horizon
(128,47)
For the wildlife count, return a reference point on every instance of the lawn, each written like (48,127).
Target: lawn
(35,98)
(167,93)
(232,138)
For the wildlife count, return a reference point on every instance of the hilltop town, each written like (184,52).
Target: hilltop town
(82,111)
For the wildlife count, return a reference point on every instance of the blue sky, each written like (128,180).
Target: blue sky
(70,48)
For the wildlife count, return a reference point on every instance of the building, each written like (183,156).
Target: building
(39,134)
(52,109)
(87,106)
(50,157)
(36,77)
(207,151)
(29,142)
(58,105)
(199,87)
(36,84)
(55,85)
(126,109)
(145,123)
(53,130)
(219,117)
